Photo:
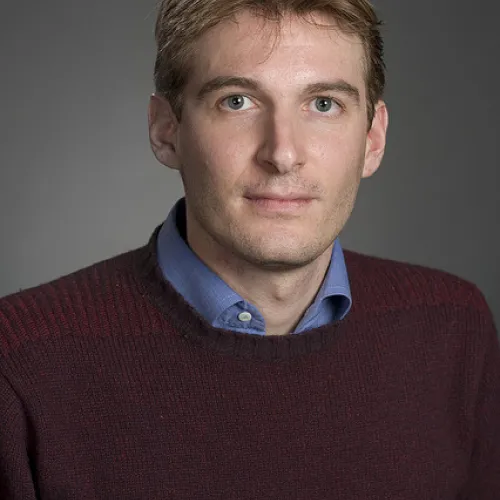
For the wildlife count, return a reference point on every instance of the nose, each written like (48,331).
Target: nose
(282,144)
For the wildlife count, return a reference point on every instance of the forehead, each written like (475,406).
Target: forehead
(293,51)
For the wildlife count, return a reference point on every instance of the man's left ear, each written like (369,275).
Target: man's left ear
(375,143)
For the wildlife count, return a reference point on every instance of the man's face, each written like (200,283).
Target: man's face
(280,118)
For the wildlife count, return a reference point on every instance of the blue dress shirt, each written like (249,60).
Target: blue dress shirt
(219,304)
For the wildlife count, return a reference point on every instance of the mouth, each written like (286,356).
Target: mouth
(271,202)
(280,196)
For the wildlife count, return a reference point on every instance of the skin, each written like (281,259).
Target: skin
(278,140)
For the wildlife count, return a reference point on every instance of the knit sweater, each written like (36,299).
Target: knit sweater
(113,387)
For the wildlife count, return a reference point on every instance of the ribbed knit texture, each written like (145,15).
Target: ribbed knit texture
(112,387)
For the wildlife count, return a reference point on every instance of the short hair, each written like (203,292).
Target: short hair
(181,22)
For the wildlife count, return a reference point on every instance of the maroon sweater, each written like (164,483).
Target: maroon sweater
(112,387)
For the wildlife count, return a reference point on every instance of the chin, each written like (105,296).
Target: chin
(280,257)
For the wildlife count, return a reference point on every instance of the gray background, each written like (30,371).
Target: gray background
(78,182)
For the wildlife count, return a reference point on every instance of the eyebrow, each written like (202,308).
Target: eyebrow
(221,82)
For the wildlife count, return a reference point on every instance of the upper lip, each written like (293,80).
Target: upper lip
(280,196)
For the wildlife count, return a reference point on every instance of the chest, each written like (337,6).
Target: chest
(216,432)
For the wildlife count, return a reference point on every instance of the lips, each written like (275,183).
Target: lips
(280,196)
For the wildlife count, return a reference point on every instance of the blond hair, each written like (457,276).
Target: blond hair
(181,22)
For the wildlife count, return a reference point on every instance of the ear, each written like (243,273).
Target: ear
(163,131)
(375,144)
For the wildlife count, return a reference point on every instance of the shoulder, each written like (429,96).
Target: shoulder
(76,302)
(397,284)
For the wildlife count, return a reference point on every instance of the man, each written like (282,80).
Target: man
(241,353)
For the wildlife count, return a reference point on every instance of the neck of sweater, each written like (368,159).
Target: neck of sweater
(188,323)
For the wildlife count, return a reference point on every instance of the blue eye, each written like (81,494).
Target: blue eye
(325,105)
(237,102)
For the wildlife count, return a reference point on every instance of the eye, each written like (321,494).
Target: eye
(325,105)
(237,102)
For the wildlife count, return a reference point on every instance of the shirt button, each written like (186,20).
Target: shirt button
(245,317)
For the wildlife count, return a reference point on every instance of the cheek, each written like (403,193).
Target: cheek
(211,165)
(337,151)
(217,155)
(338,165)
(336,137)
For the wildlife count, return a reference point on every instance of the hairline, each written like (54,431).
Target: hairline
(336,24)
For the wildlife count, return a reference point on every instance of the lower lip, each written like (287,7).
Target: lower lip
(272,205)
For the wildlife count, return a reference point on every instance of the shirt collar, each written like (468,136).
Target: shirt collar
(211,297)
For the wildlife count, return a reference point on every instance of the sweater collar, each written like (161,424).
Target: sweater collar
(177,318)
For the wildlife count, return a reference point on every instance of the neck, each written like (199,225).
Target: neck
(282,295)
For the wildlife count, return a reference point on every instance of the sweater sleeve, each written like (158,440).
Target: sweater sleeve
(484,474)
(16,481)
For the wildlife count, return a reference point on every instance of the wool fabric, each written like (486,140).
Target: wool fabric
(113,387)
